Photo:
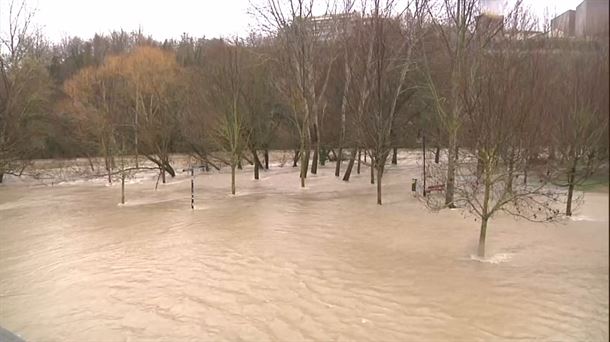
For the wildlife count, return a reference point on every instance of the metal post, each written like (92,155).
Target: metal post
(424,150)
(192,188)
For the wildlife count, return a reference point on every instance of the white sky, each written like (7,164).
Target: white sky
(169,18)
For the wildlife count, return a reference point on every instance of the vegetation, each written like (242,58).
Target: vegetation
(513,118)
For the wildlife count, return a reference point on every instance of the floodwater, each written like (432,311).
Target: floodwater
(280,263)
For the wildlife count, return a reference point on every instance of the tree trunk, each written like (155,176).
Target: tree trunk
(295,160)
(233,178)
(167,167)
(163,175)
(394,156)
(379,176)
(437,154)
(304,158)
(334,155)
(1,177)
(372,170)
(266,159)
(358,169)
(316,149)
(314,161)
(485,211)
(122,188)
(511,171)
(250,162)
(452,156)
(257,163)
(571,177)
(107,160)
(256,171)
(423,145)
(323,156)
(350,166)
(136,135)
(482,235)
(90,163)
(108,169)
(307,158)
(338,166)
(479,166)
(346,85)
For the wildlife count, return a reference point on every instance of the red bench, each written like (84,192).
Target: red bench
(432,188)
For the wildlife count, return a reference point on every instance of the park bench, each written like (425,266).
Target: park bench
(433,188)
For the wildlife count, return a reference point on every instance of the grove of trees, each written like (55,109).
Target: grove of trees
(516,120)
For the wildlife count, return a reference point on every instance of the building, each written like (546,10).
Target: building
(328,27)
(589,20)
(564,25)
(592,19)
(332,26)
(489,26)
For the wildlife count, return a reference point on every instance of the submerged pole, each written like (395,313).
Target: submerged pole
(192,188)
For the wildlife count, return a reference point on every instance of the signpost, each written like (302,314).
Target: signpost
(192,188)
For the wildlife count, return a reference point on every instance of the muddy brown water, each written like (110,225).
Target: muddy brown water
(280,263)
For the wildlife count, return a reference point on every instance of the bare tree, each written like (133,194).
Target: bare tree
(304,67)
(454,22)
(346,28)
(580,130)
(262,119)
(227,94)
(392,38)
(200,60)
(501,98)
(25,88)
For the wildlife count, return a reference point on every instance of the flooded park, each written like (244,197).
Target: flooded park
(280,263)
(289,170)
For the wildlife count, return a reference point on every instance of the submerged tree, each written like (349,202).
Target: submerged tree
(197,124)
(580,123)
(389,62)
(260,102)
(453,22)
(227,96)
(305,68)
(503,95)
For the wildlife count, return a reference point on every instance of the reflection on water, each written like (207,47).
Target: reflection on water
(282,263)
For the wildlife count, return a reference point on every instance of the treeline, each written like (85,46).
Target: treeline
(366,77)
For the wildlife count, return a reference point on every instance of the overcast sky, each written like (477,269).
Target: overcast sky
(169,18)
